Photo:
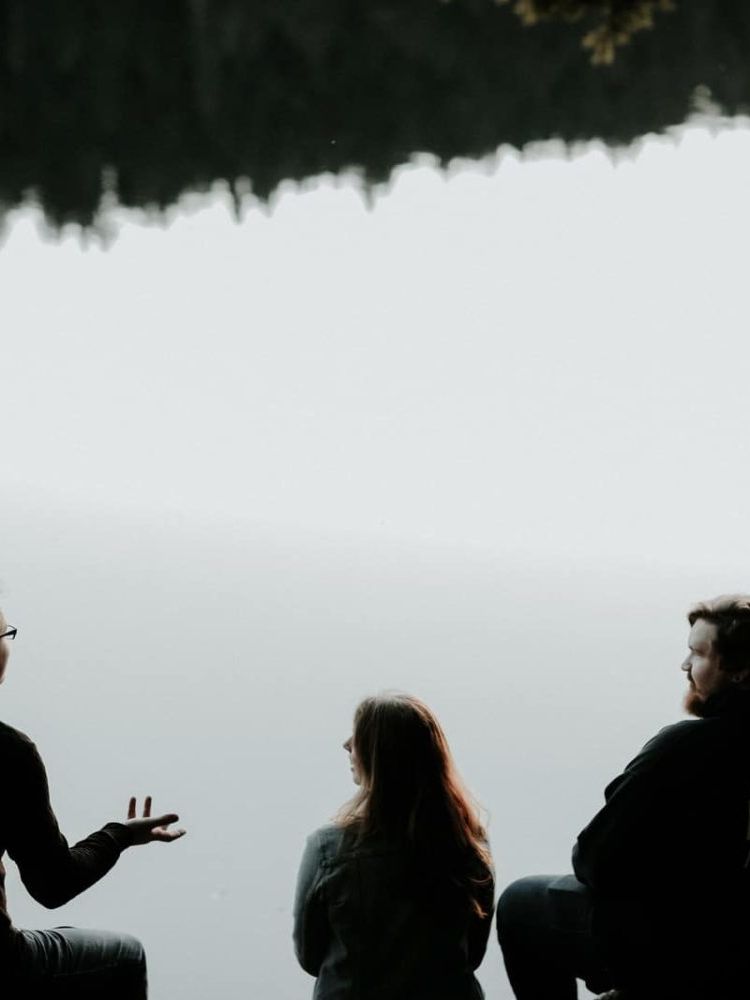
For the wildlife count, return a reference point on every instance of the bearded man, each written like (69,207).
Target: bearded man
(658,906)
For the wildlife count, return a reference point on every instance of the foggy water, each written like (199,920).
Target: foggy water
(218,670)
(484,442)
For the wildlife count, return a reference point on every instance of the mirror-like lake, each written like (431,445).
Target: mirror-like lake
(481,440)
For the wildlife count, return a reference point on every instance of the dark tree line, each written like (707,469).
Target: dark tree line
(151,100)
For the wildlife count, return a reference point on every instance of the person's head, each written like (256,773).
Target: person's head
(718,659)
(397,746)
(6,633)
(353,760)
(409,787)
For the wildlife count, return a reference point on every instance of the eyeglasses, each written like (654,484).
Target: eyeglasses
(10,634)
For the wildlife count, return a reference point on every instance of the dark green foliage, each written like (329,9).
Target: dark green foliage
(157,99)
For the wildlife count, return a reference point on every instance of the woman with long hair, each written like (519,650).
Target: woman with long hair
(394,899)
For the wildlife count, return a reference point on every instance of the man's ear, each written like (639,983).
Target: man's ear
(741,677)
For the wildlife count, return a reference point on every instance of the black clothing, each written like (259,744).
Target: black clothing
(68,963)
(666,858)
(52,871)
(662,901)
(544,929)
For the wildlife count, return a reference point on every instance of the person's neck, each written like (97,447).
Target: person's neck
(730,700)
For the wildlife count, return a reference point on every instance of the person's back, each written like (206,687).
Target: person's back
(395,900)
(395,936)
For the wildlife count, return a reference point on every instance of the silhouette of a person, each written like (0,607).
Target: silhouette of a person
(659,905)
(64,961)
(395,898)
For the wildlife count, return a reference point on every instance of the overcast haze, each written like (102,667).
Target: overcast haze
(484,440)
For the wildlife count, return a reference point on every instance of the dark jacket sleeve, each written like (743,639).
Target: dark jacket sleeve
(479,928)
(639,832)
(52,871)
(311,927)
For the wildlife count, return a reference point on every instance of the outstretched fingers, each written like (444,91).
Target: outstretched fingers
(133,810)
(147,827)
(159,829)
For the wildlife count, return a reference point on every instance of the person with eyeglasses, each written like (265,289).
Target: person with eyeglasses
(64,961)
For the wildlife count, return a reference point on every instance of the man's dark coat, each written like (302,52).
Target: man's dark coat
(667,857)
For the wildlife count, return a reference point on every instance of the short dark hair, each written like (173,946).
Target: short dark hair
(730,613)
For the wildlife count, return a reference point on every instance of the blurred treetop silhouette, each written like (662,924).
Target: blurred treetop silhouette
(144,101)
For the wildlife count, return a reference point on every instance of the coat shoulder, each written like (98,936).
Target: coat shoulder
(681,736)
(11,739)
(327,841)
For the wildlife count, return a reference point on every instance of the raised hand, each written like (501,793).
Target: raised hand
(148,828)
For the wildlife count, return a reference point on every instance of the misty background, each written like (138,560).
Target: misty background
(482,439)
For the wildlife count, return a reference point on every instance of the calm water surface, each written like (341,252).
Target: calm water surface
(477,443)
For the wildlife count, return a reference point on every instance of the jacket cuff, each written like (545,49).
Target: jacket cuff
(121,834)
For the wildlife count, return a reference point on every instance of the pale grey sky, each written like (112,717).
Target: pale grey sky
(484,441)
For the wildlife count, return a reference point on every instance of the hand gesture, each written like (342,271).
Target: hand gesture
(148,828)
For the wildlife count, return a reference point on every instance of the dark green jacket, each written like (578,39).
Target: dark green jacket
(367,931)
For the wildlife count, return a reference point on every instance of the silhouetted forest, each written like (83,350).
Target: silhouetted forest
(151,100)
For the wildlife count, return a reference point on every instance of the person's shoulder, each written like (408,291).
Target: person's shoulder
(327,832)
(19,755)
(328,839)
(685,737)
(11,738)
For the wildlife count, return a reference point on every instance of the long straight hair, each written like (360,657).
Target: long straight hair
(410,789)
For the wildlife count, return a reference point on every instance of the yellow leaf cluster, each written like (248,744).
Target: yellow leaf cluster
(617,20)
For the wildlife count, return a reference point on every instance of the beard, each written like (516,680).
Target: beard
(694,703)
(721,699)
